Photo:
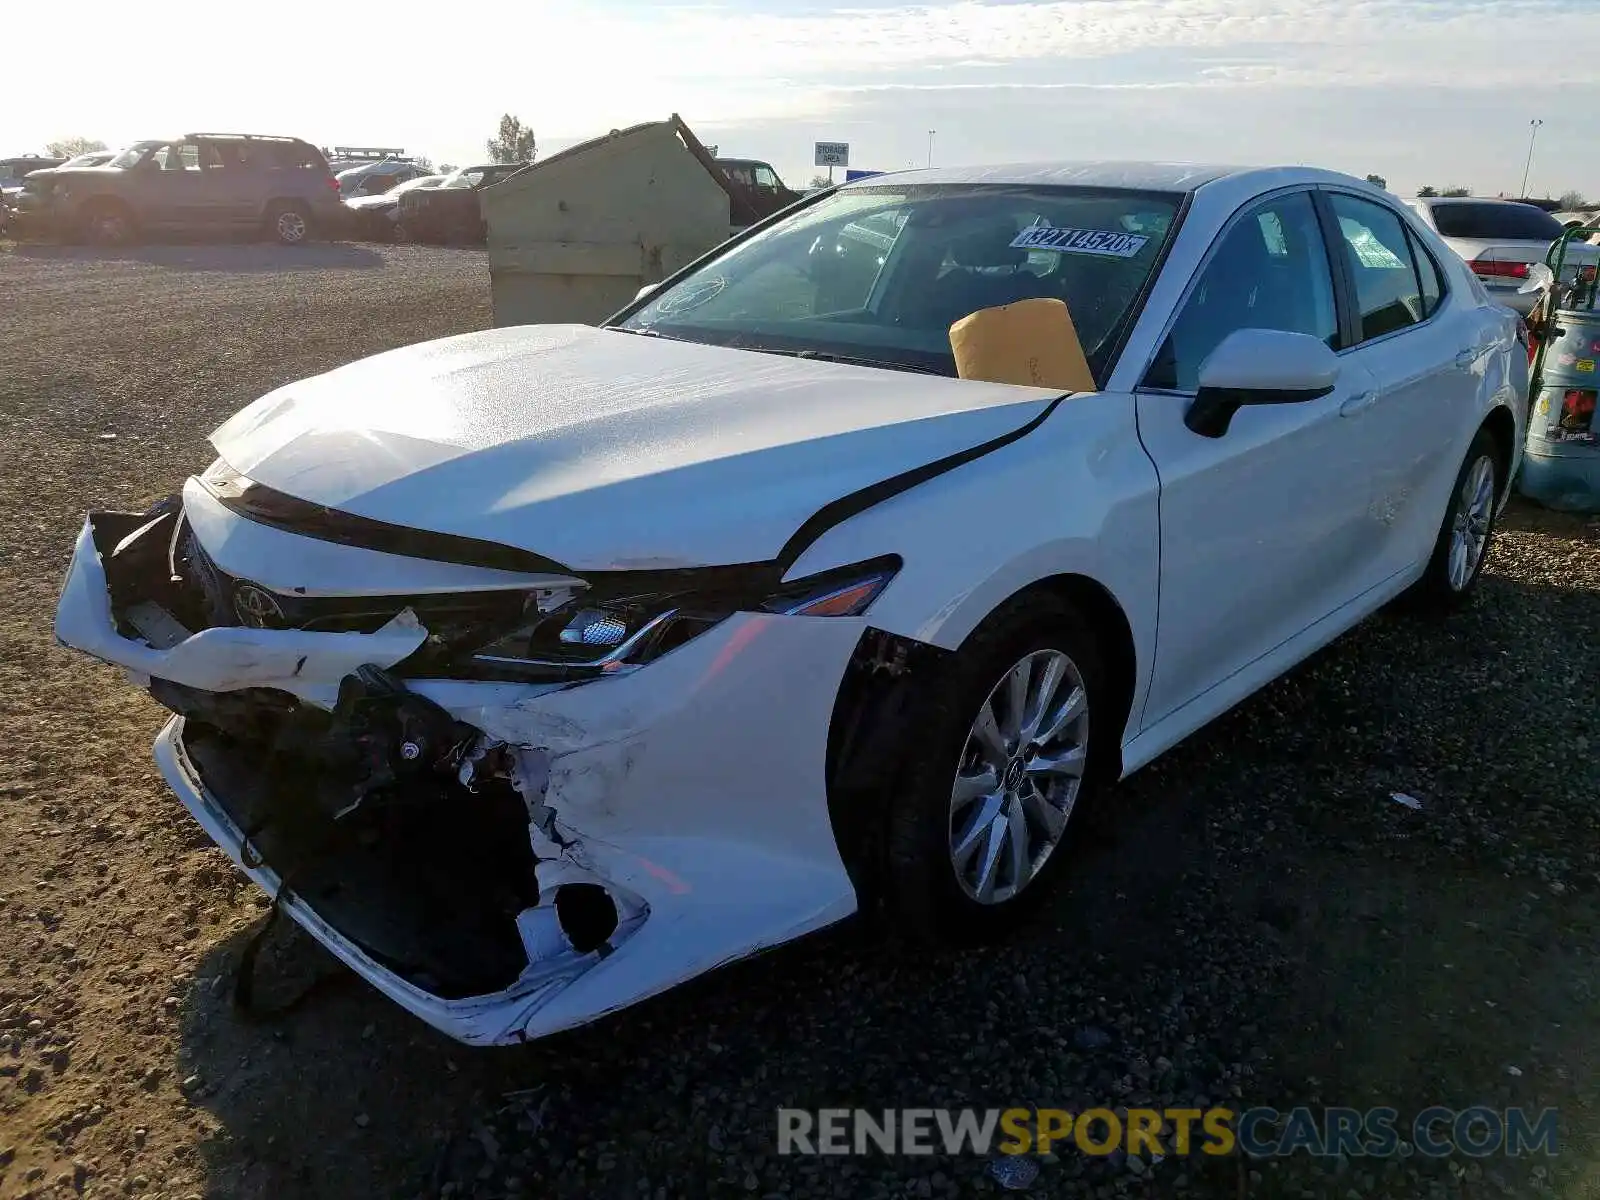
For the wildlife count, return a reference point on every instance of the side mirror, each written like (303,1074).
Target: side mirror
(645,291)
(1259,366)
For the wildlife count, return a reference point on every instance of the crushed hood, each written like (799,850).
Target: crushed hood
(605,450)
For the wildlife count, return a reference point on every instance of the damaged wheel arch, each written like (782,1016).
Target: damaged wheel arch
(875,716)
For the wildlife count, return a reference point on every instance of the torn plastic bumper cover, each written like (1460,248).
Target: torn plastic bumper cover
(502,859)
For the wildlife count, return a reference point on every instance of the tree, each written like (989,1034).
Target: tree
(1378,181)
(1573,200)
(73,146)
(821,181)
(1429,190)
(1456,190)
(515,143)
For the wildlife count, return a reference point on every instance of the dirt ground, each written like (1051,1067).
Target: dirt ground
(1267,925)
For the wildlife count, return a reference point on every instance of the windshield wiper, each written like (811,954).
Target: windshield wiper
(645,333)
(851,360)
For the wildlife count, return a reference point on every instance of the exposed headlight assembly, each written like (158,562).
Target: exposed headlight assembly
(607,637)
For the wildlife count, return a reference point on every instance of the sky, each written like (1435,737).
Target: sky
(1420,92)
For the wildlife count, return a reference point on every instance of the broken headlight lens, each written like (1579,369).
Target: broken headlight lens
(617,635)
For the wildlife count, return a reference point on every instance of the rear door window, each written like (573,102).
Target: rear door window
(1377,254)
(1489,220)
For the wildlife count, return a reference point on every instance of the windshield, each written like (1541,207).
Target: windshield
(881,273)
(463,177)
(1485,221)
(131,156)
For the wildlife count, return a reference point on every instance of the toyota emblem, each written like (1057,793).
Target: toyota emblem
(257,608)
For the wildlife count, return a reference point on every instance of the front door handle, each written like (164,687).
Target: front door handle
(1358,403)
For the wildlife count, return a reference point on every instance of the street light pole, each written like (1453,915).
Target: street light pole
(1532,137)
(931,132)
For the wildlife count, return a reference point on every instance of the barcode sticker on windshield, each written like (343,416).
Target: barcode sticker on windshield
(1080,241)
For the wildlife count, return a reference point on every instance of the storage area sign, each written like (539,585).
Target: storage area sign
(833,154)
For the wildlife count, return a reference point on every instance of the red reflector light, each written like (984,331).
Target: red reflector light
(1587,274)
(333,183)
(1491,268)
(1577,409)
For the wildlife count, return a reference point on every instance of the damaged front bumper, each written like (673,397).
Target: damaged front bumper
(672,819)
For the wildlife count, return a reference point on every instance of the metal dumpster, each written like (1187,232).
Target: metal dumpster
(1561,468)
(573,238)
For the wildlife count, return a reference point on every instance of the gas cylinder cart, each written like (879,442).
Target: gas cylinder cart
(1561,468)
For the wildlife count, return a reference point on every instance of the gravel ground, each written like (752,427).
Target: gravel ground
(1266,926)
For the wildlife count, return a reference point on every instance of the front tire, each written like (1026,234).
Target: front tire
(1466,533)
(1002,762)
(107,223)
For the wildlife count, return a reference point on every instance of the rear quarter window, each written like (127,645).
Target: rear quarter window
(298,156)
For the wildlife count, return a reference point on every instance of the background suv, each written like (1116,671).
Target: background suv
(199,183)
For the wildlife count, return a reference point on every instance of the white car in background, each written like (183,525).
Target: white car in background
(534,671)
(1501,240)
(378,178)
(92,158)
(377,218)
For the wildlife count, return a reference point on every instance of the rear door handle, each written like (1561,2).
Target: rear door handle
(1358,403)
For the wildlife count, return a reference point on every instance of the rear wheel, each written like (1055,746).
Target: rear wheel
(1001,765)
(288,223)
(1467,531)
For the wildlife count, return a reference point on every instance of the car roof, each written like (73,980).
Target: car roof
(1183,177)
(1140,176)
(385,167)
(1474,200)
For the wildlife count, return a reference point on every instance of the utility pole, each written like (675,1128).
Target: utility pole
(931,132)
(1532,137)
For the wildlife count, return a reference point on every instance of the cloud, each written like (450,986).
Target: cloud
(1479,43)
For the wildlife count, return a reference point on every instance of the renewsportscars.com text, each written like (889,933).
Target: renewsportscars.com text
(1436,1132)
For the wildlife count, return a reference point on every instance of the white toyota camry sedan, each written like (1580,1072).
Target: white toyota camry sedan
(536,670)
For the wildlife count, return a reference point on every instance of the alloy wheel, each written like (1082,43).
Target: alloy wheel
(291,226)
(1469,532)
(1020,774)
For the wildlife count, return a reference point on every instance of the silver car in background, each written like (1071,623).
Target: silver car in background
(1500,240)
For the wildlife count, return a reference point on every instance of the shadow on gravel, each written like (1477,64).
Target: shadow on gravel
(231,257)
(1262,924)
